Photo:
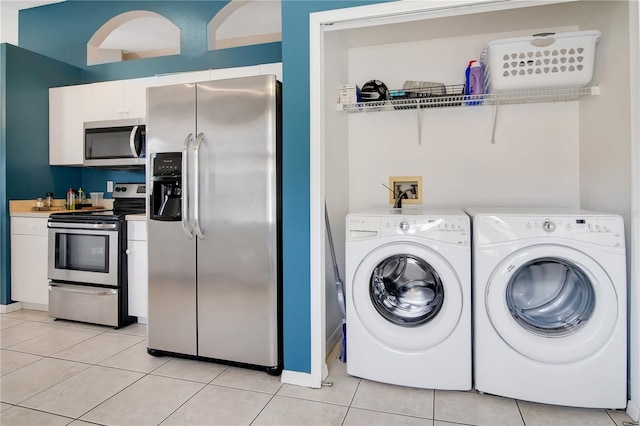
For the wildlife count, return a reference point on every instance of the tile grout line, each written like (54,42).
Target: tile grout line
(351,402)
(204,385)
(520,411)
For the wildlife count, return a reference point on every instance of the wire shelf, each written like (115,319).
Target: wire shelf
(444,101)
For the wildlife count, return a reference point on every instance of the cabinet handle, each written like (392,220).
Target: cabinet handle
(128,251)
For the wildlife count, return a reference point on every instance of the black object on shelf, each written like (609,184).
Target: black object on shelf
(446,95)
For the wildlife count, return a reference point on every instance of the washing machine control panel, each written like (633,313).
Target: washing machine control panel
(454,229)
(450,229)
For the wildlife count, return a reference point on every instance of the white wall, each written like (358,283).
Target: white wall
(535,160)
(9,17)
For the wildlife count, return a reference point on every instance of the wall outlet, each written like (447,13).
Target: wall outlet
(109,186)
(409,186)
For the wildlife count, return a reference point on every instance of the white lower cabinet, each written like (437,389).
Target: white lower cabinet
(138,267)
(29,260)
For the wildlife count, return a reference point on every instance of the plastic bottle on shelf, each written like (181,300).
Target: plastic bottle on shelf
(474,82)
(71,199)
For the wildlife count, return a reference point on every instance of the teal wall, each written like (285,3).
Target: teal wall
(295,61)
(24,137)
(61,31)
(52,42)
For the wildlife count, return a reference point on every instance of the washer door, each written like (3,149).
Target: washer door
(407,296)
(552,303)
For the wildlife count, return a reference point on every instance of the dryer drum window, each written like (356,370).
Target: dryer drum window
(550,297)
(406,290)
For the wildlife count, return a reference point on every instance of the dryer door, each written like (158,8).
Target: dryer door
(407,296)
(552,303)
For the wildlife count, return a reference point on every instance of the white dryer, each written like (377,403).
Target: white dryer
(408,294)
(550,316)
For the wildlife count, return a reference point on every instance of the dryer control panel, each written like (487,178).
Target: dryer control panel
(605,230)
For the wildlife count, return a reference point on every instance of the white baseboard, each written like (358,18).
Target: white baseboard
(5,309)
(142,320)
(35,306)
(633,411)
(299,379)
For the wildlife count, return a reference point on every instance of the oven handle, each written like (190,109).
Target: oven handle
(186,225)
(196,203)
(78,289)
(82,225)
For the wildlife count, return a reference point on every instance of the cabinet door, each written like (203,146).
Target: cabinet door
(138,278)
(29,263)
(183,77)
(225,73)
(275,68)
(138,268)
(135,96)
(107,100)
(68,110)
(115,100)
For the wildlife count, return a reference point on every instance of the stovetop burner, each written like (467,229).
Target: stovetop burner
(129,198)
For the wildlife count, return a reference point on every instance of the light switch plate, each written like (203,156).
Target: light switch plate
(109,186)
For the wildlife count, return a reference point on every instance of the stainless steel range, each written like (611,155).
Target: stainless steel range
(88,262)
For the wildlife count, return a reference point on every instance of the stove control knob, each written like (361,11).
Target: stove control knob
(124,189)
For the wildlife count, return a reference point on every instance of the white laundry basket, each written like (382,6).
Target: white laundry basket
(546,60)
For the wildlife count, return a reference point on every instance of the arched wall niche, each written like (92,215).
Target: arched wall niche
(245,23)
(133,35)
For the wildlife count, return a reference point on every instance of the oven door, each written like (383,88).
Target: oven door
(81,255)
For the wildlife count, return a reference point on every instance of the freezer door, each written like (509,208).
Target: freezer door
(238,198)
(172,256)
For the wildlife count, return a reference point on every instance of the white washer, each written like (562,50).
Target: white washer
(550,316)
(408,294)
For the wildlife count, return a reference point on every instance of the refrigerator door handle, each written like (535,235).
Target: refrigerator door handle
(186,226)
(196,199)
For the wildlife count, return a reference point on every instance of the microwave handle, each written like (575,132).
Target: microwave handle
(132,142)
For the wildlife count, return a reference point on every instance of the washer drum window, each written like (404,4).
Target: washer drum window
(550,297)
(406,290)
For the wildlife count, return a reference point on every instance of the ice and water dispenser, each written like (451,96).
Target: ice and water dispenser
(166,182)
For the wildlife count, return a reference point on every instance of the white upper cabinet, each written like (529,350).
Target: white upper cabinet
(115,100)
(68,107)
(224,73)
(71,106)
(275,68)
(183,77)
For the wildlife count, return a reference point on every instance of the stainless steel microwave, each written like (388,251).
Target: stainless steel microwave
(115,143)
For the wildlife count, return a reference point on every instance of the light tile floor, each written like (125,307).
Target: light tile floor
(65,373)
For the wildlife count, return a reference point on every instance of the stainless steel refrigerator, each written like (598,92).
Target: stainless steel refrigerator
(214,221)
